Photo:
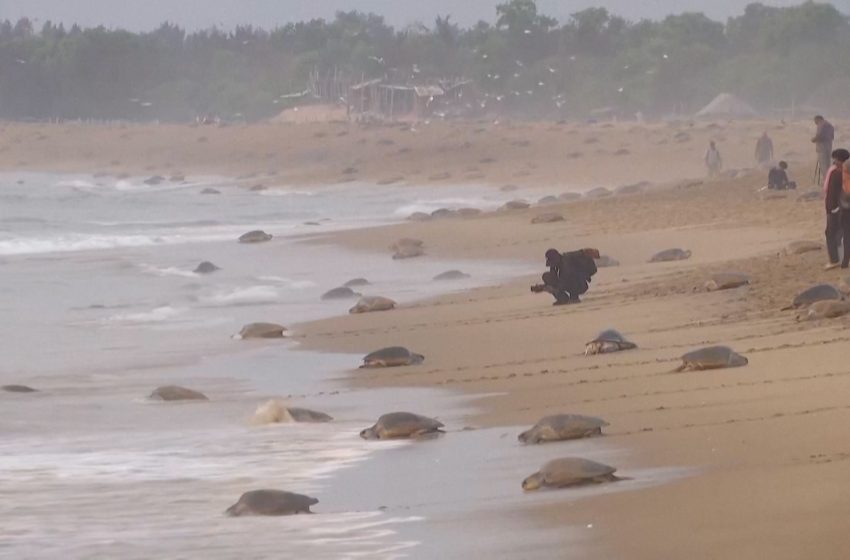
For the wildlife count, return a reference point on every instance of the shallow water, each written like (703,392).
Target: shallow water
(100,306)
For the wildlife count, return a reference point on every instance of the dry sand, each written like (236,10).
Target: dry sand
(766,441)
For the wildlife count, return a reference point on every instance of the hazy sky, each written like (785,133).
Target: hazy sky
(147,14)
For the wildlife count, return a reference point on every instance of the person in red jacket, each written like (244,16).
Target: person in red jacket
(836,218)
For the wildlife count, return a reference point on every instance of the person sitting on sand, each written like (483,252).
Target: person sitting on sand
(837,218)
(764,150)
(713,161)
(777,178)
(569,274)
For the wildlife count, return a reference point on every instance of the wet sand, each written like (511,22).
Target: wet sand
(764,441)
(762,445)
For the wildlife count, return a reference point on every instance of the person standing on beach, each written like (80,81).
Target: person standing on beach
(823,138)
(836,216)
(764,150)
(713,161)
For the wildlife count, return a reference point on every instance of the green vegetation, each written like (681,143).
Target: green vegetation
(526,64)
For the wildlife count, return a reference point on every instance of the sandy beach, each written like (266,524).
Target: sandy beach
(762,445)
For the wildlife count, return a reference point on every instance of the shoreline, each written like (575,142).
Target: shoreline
(766,471)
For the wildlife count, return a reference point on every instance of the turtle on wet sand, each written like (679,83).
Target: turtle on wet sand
(608,341)
(261,330)
(560,427)
(726,281)
(570,471)
(825,309)
(398,425)
(818,292)
(271,502)
(369,304)
(711,357)
(256,236)
(671,255)
(392,356)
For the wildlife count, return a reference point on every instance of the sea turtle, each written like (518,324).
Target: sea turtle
(451,275)
(408,248)
(468,212)
(441,213)
(800,247)
(210,190)
(355,282)
(598,192)
(635,188)
(726,281)
(343,292)
(515,205)
(396,425)
(568,196)
(608,341)
(825,309)
(393,356)
(256,236)
(206,267)
(818,292)
(275,411)
(548,200)
(18,389)
(605,261)
(671,255)
(561,427)
(372,303)
(711,357)
(261,330)
(569,471)
(271,502)
(419,217)
(176,393)
(547,218)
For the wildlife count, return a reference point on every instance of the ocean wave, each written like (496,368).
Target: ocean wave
(252,295)
(155,315)
(428,206)
(167,271)
(288,282)
(90,242)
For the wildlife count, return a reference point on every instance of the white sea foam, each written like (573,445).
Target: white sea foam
(90,242)
(288,282)
(168,271)
(252,295)
(428,206)
(155,315)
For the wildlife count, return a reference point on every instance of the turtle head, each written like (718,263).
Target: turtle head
(417,358)
(523,437)
(369,433)
(592,348)
(533,482)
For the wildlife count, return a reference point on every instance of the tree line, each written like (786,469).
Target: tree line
(526,63)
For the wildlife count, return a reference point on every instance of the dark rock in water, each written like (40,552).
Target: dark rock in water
(451,275)
(177,393)
(210,190)
(353,283)
(262,330)
(206,267)
(271,502)
(256,236)
(18,389)
(155,180)
(343,292)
